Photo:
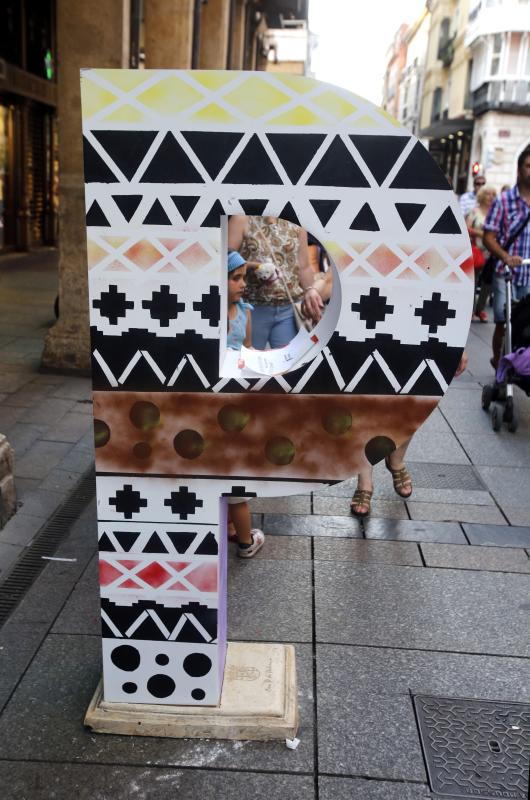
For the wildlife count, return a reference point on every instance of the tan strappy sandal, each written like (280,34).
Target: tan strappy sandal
(361,498)
(400,479)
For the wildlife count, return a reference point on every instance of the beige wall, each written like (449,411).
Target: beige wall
(168,34)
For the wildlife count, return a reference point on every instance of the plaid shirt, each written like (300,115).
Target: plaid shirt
(467,201)
(504,217)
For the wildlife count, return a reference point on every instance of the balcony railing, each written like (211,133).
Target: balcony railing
(446,51)
(502,95)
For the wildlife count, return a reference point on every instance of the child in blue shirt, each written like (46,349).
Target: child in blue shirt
(250,540)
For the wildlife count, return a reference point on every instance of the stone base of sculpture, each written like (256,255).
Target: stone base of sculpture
(258,701)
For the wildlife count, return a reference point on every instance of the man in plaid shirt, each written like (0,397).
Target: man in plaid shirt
(505,216)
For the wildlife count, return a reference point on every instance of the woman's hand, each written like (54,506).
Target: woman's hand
(312,304)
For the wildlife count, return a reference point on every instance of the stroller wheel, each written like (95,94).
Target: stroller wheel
(512,425)
(501,394)
(487,396)
(508,410)
(496,421)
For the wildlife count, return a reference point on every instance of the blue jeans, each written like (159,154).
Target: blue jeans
(499,296)
(273,324)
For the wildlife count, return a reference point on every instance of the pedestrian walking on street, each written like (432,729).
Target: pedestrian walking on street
(468,200)
(475,225)
(507,237)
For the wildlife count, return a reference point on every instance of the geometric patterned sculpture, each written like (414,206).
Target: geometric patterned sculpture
(167,154)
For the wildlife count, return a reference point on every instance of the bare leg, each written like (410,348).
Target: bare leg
(240,515)
(395,462)
(360,505)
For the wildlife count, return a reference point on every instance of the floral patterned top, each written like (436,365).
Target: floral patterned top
(282,237)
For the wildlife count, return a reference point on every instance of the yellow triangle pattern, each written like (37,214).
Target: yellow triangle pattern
(170,96)
(297,83)
(214,113)
(297,116)
(212,79)
(94,253)
(94,98)
(125,114)
(124,79)
(334,104)
(255,97)
(366,122)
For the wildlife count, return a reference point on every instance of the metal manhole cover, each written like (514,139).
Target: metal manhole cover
(445,476)
(475,748)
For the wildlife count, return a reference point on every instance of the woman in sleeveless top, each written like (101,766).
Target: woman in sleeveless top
(269,239)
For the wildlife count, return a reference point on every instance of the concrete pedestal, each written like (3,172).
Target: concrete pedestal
(258,702)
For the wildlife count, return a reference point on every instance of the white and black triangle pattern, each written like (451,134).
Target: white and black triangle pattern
(148,619)
(159,540)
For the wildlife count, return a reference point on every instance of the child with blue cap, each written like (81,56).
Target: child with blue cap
(250,540)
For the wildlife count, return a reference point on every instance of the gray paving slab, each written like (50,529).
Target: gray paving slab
(452,497)
(44,714)
(24,487)
(40,459)
(445,512)
(48,411)
(516,516)
(22,436)
(432,447)
(9,554)
(96,782)
(11,382)
(9,416)
(77,460)
(29,394)
(498,535)
(508,485)
(295,504)
(42,502)
(315,525)
(60,480)
(364,552)
(473,420)
(497,449)
(292,548)
(18,644)
(72,427)
(456,556)
(270,601)
(466,397)
(366,719)
(392,606)
(332,788)
(48,593)
(20,529)
(81,612)
(414,531)
(74,388)
(394,509)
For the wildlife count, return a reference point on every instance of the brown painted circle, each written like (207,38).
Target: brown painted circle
(142,450)
(337,421)
(379,448)
(144,415)
(280,451)
(101,433)
(189,444)
(232,419)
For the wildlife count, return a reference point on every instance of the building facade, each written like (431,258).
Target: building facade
(498,38)
(28,125)
(412,75)
(446,114)
(396,59)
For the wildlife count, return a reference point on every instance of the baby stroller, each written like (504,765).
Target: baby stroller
(517,347)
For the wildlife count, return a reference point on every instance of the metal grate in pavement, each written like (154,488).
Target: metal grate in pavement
(46,542)
(445,476)
(475,748)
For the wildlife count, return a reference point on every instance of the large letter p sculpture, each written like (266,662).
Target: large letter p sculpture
(178,424)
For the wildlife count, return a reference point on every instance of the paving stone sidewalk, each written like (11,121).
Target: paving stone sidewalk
(427,597)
